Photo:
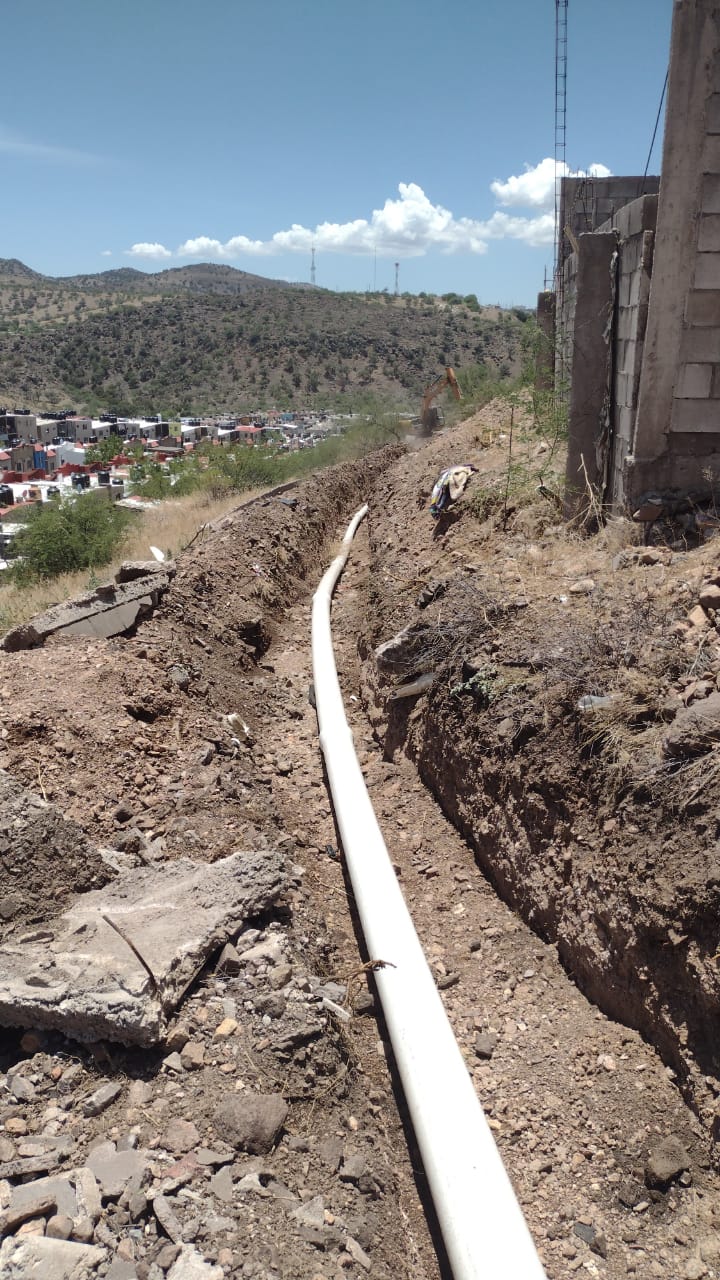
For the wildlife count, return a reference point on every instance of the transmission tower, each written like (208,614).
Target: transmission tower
(312,266)
(561,8)
(397,279)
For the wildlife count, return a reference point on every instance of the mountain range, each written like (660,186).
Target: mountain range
(210,338)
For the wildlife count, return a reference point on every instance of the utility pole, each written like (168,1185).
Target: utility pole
(312,266)
(397,279)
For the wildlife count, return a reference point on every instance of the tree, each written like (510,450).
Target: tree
(105,450)
(81,532)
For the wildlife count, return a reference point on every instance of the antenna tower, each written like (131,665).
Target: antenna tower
(397,279)
(561,8)
(312,266)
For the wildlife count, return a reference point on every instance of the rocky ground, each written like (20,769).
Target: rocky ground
(265,1136)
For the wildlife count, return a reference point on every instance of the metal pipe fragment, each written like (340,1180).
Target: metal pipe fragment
(483,1227)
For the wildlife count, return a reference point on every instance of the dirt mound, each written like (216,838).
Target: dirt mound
(44,857)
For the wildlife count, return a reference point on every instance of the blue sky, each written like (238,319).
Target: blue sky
(154,133)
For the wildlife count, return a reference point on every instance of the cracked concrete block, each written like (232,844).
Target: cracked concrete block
(45,1258)
(113,608)
(88,979)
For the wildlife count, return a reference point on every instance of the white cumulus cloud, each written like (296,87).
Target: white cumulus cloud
(147,250)
(232,248)
(407,226)
(535,188)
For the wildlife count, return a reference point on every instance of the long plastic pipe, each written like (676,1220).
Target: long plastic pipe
(482,1224)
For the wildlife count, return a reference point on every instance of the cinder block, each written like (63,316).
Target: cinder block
(703,307)
(626,322)
(640,216)
(711,193)
(623,291)
(716,383)
(712,118)
(630,254)
(695,415)
(707,271)
(709,233)
(694,381)
(700,345)
(622,221)
(622,383)
(624,421)
(711,153)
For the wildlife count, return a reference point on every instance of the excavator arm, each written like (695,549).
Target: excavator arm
(429,417)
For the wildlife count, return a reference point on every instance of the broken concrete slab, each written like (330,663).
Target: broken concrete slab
(121,958)
(114,607)
(131,570)
(44,1258)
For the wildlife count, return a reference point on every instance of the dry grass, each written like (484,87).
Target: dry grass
(170,526)
(626,735)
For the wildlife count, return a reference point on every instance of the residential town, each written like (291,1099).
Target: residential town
(41,446)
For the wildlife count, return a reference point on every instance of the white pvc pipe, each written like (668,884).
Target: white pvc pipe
(483,1227)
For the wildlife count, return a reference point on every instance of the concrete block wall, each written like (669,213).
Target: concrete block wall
(676,447)
(635,227)
(586,204)
(611,318)
(589,307)
(696,395)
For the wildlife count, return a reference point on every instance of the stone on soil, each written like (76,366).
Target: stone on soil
(251,1121)
(190,1265)
(117,1170)
(665,1162)
(695,729)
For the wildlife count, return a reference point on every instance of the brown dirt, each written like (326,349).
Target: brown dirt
(558,809)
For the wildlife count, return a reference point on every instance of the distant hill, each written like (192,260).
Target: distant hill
(208,337)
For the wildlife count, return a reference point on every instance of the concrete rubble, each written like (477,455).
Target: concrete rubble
(112,609)
(42,1258)
(121,958)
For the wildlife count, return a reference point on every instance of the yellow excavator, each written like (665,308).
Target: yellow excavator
(431,417)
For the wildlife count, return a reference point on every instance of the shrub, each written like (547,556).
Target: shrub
(82,532)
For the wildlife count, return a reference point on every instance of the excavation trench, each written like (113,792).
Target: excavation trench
(487,678)
(202,741)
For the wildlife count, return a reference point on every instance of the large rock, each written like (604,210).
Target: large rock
(88,979)
(695,729)
(666,1162)
(251,1121)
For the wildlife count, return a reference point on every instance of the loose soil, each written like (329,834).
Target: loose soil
(559,864)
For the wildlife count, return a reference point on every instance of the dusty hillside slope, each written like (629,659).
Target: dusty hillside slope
(138,1156)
